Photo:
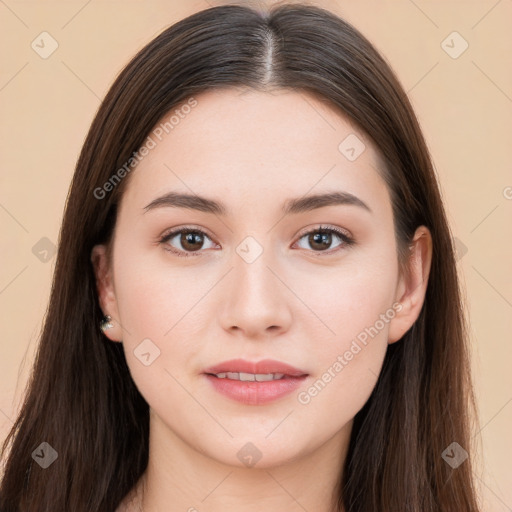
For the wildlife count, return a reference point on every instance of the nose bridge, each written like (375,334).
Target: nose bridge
(253,280)
(256,299)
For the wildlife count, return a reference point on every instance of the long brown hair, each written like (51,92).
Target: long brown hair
(81,399)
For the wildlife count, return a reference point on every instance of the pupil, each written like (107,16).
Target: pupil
(191,239)
(323,239)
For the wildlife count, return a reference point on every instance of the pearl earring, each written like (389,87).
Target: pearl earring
(106,323)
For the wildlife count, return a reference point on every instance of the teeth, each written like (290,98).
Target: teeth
(250,377)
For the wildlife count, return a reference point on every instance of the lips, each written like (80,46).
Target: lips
(254,383)
(266,366)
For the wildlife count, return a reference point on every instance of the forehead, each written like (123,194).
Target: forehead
(242,143)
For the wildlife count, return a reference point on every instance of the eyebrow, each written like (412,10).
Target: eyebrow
(291,206)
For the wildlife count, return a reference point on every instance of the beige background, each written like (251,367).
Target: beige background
(464,106)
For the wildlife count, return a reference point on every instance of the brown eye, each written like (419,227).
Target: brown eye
(183,241)
(191,241)
(321,239)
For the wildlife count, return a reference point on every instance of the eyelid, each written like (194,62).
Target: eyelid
(325,227)
(189,227)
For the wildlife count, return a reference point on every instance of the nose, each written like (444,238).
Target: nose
(255,300)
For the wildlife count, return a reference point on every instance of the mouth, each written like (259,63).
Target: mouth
(242,367)
(255,383)
(251,377)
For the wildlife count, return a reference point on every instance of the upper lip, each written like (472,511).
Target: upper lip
(259,367)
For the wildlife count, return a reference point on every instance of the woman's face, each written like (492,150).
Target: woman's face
(262,283)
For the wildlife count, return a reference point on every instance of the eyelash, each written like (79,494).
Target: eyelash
(347,241)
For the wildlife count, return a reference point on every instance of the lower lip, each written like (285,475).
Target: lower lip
(254,392)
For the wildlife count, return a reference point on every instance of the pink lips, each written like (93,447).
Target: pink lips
(255,392)
(265,366)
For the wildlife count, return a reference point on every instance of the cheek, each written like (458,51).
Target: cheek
(356,305)
(340,390)
(347,365)
(154,298)
(158,307)
(348,298)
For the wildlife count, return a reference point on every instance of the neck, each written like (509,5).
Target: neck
(180,477)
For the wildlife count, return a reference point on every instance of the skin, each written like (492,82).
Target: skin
(294,303)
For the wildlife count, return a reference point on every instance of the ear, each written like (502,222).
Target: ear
(105,288)
(412,285)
